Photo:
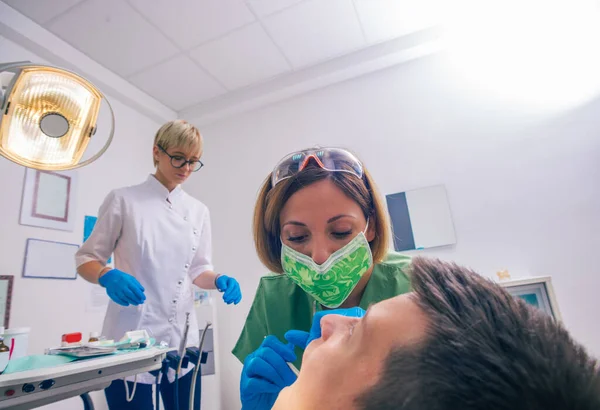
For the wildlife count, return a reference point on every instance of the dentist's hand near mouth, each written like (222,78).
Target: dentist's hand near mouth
(266,371)
(302,339)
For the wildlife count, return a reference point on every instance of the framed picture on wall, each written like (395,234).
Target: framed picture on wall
(421,219)
(49,259)
(49,199)
(6,288)
(537,291)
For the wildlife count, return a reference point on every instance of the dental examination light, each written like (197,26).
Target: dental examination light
(52,119)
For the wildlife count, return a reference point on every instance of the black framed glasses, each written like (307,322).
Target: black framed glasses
(178,161)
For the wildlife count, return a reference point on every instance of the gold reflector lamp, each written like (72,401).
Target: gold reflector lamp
(49,117)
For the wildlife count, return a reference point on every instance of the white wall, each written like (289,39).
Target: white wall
(54,307)
(523,188)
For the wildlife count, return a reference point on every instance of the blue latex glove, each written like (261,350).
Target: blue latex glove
(265,373)
(302,339)
(122,288)
(231,289)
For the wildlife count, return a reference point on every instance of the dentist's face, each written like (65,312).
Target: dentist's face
(320,219)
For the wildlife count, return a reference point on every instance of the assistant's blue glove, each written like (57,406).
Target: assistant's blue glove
(231,289)
(266,373)
(122,288)
(302,339)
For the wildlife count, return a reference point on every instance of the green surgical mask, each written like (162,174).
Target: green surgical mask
(332,282)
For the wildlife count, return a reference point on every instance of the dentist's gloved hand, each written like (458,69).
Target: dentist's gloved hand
(122,288)
(230,288)
(266,373)
(302,339)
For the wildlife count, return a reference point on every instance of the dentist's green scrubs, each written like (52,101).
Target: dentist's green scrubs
(281,305)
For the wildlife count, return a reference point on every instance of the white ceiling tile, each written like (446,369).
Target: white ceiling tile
(192,22)
(241,58)
(113,34)
(264,8)
(316,30)
(387,19)
(41,11)
(178,83)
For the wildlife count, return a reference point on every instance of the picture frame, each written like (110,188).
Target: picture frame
(6,289)
(421,219)
(48,199)
(535,291)
(49,260)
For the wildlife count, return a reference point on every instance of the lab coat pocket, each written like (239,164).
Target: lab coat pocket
(124,319)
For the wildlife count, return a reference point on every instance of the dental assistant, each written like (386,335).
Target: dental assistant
(161,240)
(321,227)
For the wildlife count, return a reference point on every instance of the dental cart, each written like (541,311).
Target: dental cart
(30,389)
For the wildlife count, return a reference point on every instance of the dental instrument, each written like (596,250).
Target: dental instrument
(181,357)
(181,350)
(195,375)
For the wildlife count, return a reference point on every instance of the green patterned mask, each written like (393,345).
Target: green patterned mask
(332,282)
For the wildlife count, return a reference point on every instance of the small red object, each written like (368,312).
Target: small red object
(9,393)
(71,337)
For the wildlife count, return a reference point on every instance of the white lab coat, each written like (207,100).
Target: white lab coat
(163,239)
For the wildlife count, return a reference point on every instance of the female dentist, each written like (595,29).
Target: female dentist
(321,227)
(161,240)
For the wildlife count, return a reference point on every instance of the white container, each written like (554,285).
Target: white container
(20,337)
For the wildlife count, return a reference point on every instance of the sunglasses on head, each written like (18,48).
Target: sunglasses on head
(330,159)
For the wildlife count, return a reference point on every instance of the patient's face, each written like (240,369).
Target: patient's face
(349,357)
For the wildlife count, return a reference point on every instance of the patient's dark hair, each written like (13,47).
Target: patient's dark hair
(484,350)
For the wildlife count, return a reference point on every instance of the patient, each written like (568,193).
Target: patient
(458,341)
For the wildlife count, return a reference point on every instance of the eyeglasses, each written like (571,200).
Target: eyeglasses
(330,159)
(177,161)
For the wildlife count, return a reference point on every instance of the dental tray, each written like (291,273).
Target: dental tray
(83,351)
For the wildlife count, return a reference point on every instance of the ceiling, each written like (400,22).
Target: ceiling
(188,53)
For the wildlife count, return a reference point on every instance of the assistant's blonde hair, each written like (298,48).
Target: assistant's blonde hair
(179,133)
